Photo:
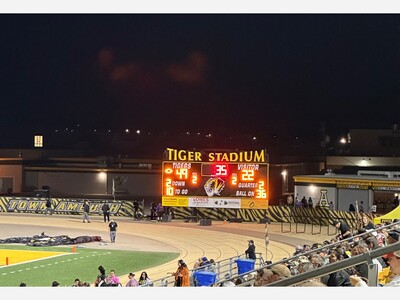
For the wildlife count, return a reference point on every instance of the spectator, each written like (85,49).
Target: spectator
(197,263)
(304,201)
(361,208)
(310,203)
(22,284)
(86,210)
(160,212)
(113,230)
(338,278)
(132,281)
(212,266)
(55,284)
(144,279)
(344,229)
(367,225)
(331,206)
(77,283)
(392,237)
(181,274)
(101,277)
(112,279)
(251,250)
(228,283)
(106,211)
(352,208)
(204,263)
(289,200)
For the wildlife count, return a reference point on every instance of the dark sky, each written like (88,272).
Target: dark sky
(244,73)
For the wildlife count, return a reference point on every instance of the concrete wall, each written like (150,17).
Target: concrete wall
(95,183)
(14,173)
(317,193)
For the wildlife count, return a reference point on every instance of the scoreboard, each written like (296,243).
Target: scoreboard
(215,179)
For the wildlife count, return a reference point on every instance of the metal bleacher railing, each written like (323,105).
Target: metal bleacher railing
(220,268)
(343,264)
(227,269)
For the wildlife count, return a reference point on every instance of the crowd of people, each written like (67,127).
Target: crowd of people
(345,245)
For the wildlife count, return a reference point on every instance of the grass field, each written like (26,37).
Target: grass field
(40,266)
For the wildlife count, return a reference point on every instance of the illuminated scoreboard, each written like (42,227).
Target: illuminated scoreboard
(215,179)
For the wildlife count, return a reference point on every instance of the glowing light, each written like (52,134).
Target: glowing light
(102,176)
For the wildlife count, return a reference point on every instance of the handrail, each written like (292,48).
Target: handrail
(312,227)
(286,231)
(224,266)
(294,257)
(339,265)
(287,217)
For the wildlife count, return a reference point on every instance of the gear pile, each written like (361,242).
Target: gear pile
(45,240)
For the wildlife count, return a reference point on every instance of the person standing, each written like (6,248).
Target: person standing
(345,231)
(48,206)
(182,274)
(251,250)
(135,208)
(86,209)
(113,230)
(153,214)
(310,202)
(160,212)
(106,212)
(289,200)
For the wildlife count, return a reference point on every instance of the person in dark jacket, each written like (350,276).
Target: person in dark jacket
(106,211)
(49,208)
(345,231)
(251,250)
(338,278)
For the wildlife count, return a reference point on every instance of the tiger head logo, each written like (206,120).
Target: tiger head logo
(214,186)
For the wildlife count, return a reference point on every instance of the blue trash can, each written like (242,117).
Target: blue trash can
(245,265)
(204,278)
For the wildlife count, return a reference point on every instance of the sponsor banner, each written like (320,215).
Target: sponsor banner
(59,205)
(214,202)
(174,201)
(254,204)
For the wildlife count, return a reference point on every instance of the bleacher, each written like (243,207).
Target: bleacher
(235,267)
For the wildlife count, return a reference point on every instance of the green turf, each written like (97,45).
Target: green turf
(83,265)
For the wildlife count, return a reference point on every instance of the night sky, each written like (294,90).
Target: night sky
(261,74)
